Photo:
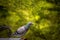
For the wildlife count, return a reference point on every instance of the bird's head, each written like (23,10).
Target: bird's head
(30,23)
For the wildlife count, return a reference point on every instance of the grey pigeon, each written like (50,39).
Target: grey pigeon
(22,30)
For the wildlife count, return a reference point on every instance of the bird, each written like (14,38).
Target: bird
(22,30)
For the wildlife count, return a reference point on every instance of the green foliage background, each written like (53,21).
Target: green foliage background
(45,14)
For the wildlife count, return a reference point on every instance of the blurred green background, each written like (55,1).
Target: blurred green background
(45,14)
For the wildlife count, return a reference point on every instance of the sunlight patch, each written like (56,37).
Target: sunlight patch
(44,24)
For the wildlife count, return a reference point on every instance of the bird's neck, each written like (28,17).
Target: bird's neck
(27,26)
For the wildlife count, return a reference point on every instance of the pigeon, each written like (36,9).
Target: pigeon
(22,30)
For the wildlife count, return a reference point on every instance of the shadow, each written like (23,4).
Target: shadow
(57,2)
(55,8)
(8,31)
(3,12)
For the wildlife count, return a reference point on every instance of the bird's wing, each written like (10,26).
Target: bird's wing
(21,30)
